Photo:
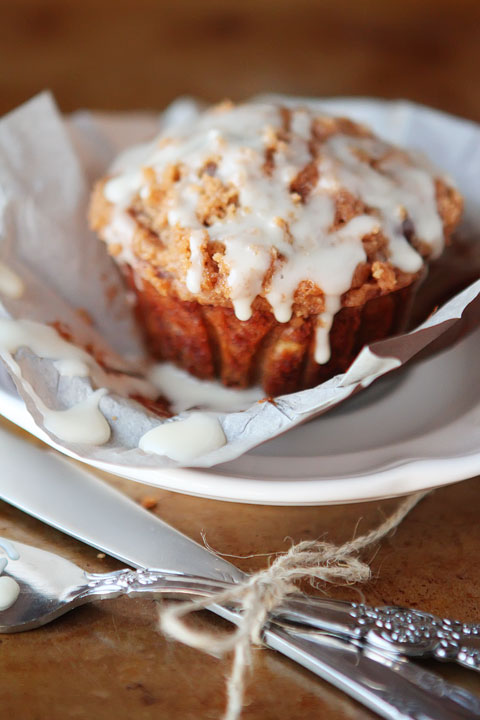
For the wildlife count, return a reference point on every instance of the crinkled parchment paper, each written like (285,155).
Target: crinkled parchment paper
(47,169)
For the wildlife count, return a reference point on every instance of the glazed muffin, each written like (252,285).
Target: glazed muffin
(267,245)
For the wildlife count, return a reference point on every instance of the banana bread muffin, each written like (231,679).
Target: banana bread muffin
(267,245)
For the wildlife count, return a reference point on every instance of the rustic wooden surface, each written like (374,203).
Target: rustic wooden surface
(107,661)
(123,54)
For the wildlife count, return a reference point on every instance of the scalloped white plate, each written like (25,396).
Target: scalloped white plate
(416,428)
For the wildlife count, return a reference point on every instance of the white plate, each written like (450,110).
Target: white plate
(417,428)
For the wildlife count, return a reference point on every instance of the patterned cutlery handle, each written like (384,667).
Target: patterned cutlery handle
(415,633)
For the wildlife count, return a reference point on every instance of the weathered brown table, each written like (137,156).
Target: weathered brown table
(107,661)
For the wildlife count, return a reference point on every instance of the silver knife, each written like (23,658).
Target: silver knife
(74,501)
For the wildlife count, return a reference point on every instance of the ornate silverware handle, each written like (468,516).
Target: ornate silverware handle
(147,582)
(412,632)
(393,629)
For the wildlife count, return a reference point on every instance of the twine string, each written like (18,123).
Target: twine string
(265,590)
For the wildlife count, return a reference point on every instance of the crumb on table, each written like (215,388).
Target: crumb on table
(148,502)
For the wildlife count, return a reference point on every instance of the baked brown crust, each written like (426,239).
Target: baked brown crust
(210,342)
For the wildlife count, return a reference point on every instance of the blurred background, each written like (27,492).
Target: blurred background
(124,54)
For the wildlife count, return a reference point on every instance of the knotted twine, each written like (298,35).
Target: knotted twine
(265,590)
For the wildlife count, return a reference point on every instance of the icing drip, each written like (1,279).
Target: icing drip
(9,549)
(322,331)
(69,359)
(275,237)
(83,423)
(248,265)
(70,367)
(186,391)
(118,234)
(11,284)
(9,588)
(9,592)
(393,187)
(184,440)
(45,342)
(195,273)
(368,367)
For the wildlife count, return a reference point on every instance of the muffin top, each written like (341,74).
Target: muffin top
(264,205)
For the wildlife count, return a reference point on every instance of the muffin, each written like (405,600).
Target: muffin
(267,244)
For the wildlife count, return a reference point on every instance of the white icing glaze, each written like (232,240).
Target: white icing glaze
(9,549)
(119,232)
(9,588)
(70,367)
(194,275)
(44,341)
(322,331)
(69,359)
(184,440)
(83,423)
(395,187)
(11,284)
(270,221)
(9,592)
(368,367)
(186,391)
(122,186)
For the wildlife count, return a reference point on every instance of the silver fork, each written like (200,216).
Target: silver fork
(51,586)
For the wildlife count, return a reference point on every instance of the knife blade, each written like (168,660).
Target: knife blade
(77,503)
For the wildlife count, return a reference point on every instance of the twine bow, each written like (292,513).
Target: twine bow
(265,590)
